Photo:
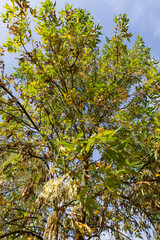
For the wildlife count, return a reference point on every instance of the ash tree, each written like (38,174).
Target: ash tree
(79,128)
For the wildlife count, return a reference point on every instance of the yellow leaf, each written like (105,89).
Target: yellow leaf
(80,228)
(80,157)
(109,188)
(157,175)
(69,37)
(96,212)
(108,166)
(101,164)
(101,129)
(25,215)
(2,202)
(84,225)
(77,236)
(102,184)
(144,182)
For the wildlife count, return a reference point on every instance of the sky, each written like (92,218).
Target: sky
(143,14)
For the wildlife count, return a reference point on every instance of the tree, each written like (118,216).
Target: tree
(79,129)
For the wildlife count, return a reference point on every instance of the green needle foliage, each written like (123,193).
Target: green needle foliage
(79,129)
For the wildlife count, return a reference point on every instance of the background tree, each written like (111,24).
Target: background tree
(79,129)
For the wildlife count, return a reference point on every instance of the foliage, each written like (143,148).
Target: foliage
(79,129)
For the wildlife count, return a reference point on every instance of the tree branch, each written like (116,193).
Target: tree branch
(23,232)
(21,106)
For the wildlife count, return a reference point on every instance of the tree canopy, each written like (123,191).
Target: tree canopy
(79,128)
